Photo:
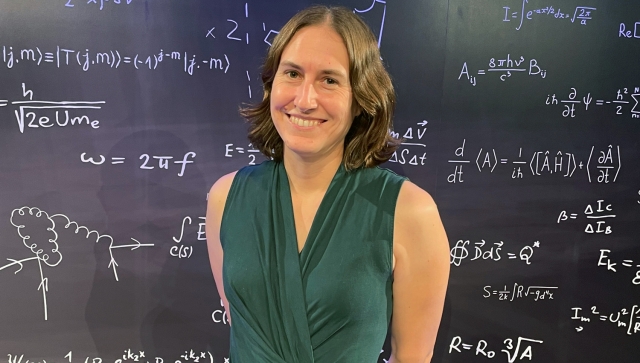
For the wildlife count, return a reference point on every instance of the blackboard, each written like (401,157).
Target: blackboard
(521,118)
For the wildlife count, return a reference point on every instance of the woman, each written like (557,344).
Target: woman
(313,250)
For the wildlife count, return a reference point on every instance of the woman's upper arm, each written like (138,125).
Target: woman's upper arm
(215,208)
(420,276)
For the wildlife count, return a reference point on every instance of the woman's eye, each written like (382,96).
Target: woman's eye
(331,81)
(291,74)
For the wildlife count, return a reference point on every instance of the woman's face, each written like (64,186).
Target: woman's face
(311,101)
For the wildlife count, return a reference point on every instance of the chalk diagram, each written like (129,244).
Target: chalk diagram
(25,218)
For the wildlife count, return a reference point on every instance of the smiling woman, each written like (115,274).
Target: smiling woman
(311,103)
(368,142)
(315,250)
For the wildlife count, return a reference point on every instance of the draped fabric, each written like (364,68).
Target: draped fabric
(331,302)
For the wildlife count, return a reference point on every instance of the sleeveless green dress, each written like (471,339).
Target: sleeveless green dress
(330,303)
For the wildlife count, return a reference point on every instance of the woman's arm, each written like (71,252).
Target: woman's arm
(215,207)
(420,276)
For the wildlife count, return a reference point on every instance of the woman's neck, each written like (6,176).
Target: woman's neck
(308,177)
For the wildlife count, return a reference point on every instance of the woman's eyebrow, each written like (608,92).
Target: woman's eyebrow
(330,71)
(333,72)
(290,64)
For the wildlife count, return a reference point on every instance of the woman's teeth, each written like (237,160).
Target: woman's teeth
(303,123)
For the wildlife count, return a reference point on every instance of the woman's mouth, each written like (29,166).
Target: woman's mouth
(303,122)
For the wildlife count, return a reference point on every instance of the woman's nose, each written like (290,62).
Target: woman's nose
(306,97)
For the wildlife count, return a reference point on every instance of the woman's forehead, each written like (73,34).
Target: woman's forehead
(317,46)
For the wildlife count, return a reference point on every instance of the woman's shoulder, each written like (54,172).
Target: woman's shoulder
(223,183)
(417,219)
(221,188)
(415,205)
(413,200)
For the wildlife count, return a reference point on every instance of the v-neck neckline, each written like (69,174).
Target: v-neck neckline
(290,220)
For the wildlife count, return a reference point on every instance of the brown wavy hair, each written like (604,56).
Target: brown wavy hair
(368,142)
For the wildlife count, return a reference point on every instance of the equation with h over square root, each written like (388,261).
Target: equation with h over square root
(39,114)
(600,165)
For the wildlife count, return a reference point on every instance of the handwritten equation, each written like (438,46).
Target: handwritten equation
(31,221)
(626,318)
(98,3)
(182,250)
(624,33)
(113,59)
(605,261)
(523,348)
(602,211)
(232,26)
(45,114)
(621,103)
(460,252)
(505,68)
(236,35)
(601,165)
(519,291)
(410,151)
(581,14)
(148,162)
(230,150)
(128,355)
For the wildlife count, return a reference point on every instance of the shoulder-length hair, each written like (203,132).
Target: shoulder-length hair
(368,142)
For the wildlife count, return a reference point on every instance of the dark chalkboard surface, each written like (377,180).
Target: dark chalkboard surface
(521,118)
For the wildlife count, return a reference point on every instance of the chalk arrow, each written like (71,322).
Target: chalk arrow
(134,246)
(44,284)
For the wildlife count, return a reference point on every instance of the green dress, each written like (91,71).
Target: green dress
(333,301)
